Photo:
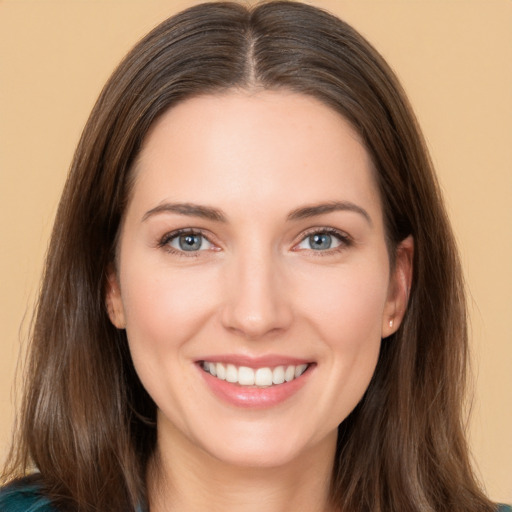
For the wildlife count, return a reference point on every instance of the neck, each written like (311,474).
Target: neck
(184,477)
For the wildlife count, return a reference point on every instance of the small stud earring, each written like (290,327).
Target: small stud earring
(391,323)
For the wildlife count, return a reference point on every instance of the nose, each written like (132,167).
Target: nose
(256,302)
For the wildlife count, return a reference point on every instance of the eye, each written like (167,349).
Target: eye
(323,240)
(186,241)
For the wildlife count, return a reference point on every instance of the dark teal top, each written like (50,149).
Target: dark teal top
(26,498)
(23,499)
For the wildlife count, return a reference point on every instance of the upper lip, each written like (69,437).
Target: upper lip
(270,360)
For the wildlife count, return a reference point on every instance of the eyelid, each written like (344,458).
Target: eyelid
(164,241)
(343,237)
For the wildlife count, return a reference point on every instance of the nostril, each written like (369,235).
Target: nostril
(257,303)
(254,323)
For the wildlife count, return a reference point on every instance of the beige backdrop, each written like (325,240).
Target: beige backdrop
(455,60)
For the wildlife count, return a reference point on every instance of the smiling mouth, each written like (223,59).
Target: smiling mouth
(256,377)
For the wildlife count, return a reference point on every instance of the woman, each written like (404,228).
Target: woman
(253,278)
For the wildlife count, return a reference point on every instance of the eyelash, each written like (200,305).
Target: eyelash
(344,239)
(169,237)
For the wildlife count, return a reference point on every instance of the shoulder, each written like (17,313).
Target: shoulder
(23,497)
(504,508)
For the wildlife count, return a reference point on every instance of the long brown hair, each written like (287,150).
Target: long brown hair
(86,422)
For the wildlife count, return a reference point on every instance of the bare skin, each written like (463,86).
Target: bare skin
(253,242)
(187,480)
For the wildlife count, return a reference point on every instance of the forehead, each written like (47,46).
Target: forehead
(252,149)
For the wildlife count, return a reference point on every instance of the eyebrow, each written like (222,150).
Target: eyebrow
(188,209)
(214,214)
(323,208)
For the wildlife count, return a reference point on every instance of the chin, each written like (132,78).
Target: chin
(255,457)
(265,450)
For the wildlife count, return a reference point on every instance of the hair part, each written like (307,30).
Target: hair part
(86,422)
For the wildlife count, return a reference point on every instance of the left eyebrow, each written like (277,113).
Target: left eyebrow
(188,209)
(323,208)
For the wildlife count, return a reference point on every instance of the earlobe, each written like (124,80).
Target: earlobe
(113,300)
(399,287)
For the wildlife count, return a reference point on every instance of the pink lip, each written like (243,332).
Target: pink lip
(271,360)
(253,397)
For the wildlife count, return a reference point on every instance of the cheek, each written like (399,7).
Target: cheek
(164,311)
(346,303)
(345,308)
(165,308)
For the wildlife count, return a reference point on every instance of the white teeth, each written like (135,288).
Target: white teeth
(289,374)
(231,373)
(261,377)
(221,371)
(299,370)
(278,375)
(245,376)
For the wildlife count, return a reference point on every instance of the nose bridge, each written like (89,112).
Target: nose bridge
(256,302)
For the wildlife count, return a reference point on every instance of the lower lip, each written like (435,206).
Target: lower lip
(254,397)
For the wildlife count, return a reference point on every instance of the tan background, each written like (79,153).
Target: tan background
(455,60)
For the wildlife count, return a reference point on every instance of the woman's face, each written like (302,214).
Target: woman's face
(253,277)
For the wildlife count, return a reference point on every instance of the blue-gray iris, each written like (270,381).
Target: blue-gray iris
(320,241)
(190,242)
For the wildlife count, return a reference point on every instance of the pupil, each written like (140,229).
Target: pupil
(320,241)
(190,242)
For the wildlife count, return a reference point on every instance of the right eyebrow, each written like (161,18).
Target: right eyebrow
(188,209)
(331,206)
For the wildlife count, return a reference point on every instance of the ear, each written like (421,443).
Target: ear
(399,287)
(113,300)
